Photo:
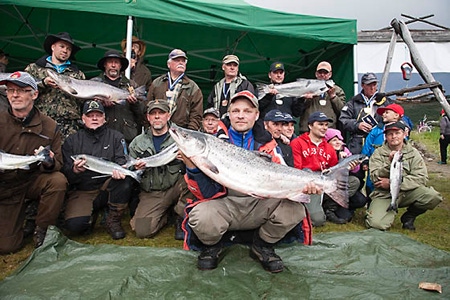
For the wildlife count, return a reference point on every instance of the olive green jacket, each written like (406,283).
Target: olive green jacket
(159,178)
(414,169)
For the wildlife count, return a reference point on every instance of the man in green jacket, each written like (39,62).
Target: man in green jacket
(414,194)
(161,187)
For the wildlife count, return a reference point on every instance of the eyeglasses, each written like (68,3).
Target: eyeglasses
(211,119)
(18,91)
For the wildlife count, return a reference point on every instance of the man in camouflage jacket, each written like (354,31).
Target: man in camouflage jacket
(64,109)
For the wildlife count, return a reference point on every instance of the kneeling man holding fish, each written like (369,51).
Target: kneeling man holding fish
(218,210)
(94,150)
(399,174)
(23,129)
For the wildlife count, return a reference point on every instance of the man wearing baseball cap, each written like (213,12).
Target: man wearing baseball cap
(210,121)
(222,215)
(90,193)
(163,188)
(311,151)
(330,102)
(183,94)
(24,130)
(271,101)
(414,192)
(391,113)
(273,123)
(358,113)
(232,83)
(60,51)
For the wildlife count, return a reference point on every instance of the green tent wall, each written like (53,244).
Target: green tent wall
(207,30)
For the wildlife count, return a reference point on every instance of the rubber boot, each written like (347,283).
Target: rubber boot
(179,233)
(39,236)
(114,221)
(410,216)
(330,207)
(265,254)
(209,257)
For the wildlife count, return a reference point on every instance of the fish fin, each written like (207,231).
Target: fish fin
(72,91)
(340,195)
(101,98)
(212,167)
(302,198)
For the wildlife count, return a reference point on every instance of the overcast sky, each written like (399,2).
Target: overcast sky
(370,15)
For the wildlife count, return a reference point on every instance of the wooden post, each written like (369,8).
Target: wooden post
(387,66)
(402,30)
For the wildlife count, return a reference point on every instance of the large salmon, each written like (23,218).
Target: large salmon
(13,162)
(297,88)
(90,89)
(395,179)
(243,171)
(106,167)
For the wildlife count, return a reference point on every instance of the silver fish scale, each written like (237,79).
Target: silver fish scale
(244,171)
(12,161)
(88,89)
(103,166)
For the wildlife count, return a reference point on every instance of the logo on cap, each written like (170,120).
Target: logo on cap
(93,105)
(15,75)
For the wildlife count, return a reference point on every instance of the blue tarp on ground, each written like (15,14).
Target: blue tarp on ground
(357,265)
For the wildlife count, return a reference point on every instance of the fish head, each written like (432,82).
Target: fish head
(190,142)
(78,157)
(60,80)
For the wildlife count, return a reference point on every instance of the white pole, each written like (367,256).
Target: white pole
(129,37)
(355,71)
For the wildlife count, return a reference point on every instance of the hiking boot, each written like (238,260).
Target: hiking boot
(39,236)
(114,223)
(331,216)
(28,228)
(409,217)
(265,254)
(209,257)
(442,162)
(179,233)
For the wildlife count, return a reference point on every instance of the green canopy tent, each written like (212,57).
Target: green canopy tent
(207,30)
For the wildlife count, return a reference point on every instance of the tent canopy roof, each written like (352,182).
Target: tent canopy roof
(206,30)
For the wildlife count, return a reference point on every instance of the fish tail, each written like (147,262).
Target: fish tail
(262,89)
(340,194)
(141,93)
(138,175)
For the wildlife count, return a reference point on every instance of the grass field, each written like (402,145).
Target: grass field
(432,228)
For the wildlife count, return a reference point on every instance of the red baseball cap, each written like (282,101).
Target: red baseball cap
(394,107)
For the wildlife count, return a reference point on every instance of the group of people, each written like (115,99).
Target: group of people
(39,114)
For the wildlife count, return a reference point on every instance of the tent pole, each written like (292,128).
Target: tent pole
(129,37)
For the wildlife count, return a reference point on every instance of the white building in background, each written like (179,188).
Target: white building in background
(433,46)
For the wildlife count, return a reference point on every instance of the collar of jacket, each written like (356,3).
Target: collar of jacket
(97,131)
(24,121)
(42,62)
